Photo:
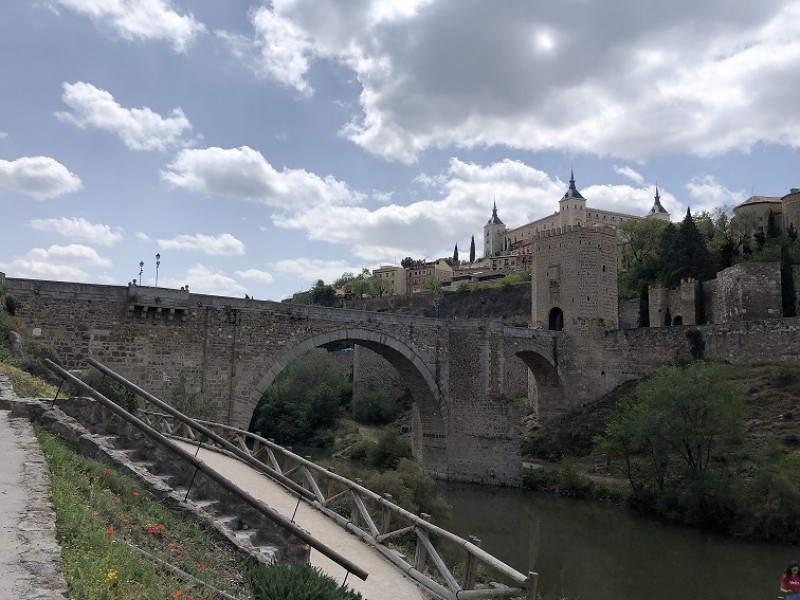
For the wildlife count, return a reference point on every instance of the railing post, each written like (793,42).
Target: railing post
(532,581)
(386,520)
(329,487)
(471,565)
(421,555)
(354,508)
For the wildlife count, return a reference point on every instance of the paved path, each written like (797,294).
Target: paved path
(385,582)
(30,557)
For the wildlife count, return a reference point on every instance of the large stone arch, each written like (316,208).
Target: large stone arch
(548,385)
(430,408)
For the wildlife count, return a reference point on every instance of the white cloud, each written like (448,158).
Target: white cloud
(279,50)
(709,194)
(65,263)
(626,171)
(80,229)
(39,177)
(243,173)
(421,229)
(220,245)
(206,280)
(138,128)
(3,135)
(141,20)
(142,237)
(664,79)
(255,275)
(313,269)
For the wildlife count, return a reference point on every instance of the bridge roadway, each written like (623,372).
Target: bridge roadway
(385,582)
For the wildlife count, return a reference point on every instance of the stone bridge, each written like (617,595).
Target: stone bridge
(470,379)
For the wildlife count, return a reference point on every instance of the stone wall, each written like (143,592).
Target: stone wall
(677,305)
(629,313)
(747,291)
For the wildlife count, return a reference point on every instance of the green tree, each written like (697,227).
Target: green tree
(455,262)
(641,252)
(303,402)
(472,250)
(381,287)
(408,262)
(432,284)
(324,295)
(673,431)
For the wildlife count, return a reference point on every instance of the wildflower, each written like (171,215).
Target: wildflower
(135,493)
(124,520)
(116,498)
(178,551)
(108,471)
(159,527)
(177,594)
(111,575)
(171,545)
(150,530)
(109,531)
(201,565)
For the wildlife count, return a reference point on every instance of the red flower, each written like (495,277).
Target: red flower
(159,527)
(178,551)
(135,493)
(116,498)
(108,471)
(171,545)
(150,531)
(109,531)
(177,594)
(201,565)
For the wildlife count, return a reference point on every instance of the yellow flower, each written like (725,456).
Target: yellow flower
(111,575)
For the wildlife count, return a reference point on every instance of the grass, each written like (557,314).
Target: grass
(26,385)
(101,513)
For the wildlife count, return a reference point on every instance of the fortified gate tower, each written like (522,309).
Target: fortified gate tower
(574,278)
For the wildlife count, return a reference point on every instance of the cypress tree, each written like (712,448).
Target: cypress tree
(472,250)
(455,256)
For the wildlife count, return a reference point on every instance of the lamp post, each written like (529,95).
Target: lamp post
(141,269)
(158,264)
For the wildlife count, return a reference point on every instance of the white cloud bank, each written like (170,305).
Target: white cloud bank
(39,177)
(138,128)
(140,20)
(665,78)
(64,263)
(78,228)
(244,174)
(220,245)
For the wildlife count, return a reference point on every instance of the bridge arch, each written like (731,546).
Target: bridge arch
(548,384)
(430,408)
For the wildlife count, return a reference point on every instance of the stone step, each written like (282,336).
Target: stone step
(229,521)
(245,535)
(144,464)
(207,504)
(270,553)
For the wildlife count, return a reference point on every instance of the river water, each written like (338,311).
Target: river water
(588,551)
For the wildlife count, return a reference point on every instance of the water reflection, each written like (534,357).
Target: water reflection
(583,550)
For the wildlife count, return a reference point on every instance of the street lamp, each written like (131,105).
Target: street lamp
(141,269)
(158,264)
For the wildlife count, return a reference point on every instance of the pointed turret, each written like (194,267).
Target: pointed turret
(572,192)
(495,220)
(658,211)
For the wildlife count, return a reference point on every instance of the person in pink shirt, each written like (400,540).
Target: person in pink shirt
(790,581)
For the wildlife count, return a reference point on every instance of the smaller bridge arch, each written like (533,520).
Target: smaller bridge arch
(430,409)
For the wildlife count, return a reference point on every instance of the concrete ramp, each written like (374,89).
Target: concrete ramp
(385,582)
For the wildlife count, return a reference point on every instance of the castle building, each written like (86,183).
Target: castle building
(753,214)
(511,248)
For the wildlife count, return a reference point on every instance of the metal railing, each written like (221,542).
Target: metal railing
(374,518)
(200,466)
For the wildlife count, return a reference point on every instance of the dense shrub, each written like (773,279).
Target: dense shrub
(303,402)
(300,582)
(373,408)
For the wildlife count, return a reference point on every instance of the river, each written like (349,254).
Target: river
(588,551)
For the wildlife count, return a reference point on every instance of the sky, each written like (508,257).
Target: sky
(260,146)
